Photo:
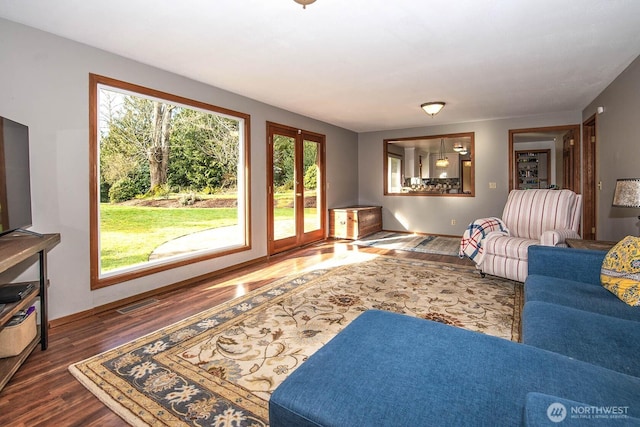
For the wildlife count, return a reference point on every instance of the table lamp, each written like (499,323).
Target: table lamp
(627,193)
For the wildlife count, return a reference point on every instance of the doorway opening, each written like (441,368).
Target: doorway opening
(562,162)
(568,169)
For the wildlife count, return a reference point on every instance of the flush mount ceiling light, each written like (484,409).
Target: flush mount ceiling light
(460,149)
(431,108)
(304,3)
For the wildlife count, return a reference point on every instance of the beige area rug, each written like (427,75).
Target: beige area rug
(441,245)
(219,367)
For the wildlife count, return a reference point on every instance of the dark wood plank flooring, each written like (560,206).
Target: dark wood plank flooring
(43,392)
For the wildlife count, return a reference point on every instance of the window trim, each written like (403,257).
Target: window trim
(98,282)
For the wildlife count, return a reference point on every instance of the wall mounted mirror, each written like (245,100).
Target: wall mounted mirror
(434,165)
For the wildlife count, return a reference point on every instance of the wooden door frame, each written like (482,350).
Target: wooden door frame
(301,238)
(4,213)
(589,183)
(513,132)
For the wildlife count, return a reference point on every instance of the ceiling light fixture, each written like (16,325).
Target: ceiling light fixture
(431,108)
(442,161)
(460,149)
(304,3)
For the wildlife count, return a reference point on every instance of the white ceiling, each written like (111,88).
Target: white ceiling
(368,64)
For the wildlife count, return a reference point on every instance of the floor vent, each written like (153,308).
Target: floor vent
(137,306)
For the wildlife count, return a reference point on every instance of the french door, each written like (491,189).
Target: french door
(295,187)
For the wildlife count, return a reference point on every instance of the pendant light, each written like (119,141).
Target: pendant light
(442,161)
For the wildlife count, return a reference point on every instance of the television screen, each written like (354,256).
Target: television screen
(15,184)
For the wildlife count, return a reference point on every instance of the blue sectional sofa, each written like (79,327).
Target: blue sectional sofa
(575,316)
(579,363)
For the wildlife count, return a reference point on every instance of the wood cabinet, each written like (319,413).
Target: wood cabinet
(15,248)
(533,169)
(354,222)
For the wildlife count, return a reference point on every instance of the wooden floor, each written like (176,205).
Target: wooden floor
(43,392)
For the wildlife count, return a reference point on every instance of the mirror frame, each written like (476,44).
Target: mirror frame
(470,135)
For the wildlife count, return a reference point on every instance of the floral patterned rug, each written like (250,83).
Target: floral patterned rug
(219,367)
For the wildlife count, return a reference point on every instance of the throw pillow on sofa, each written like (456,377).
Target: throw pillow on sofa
(620,272)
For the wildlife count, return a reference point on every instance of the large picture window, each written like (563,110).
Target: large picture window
(169,181)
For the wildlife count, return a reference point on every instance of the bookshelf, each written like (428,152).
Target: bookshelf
(533,169)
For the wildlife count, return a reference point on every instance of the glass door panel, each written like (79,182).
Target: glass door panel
(284,182)
(394,166)
(311,186)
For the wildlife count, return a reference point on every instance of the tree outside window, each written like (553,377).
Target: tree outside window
(170,186)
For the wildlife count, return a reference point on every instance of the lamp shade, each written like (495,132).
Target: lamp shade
(432,108)
(627,193)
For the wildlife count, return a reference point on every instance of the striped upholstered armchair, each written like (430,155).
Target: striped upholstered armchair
(530,217)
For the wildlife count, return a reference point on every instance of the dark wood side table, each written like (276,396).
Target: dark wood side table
(597,245)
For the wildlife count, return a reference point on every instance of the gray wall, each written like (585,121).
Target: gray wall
(617,151)
(44,81)
(434,214)
(44,84)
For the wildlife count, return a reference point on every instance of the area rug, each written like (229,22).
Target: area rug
(219,367)
(441,245)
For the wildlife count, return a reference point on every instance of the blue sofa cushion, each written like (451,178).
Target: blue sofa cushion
(603,340)
(581,265)
(543,410)
(583,296)
(387,369)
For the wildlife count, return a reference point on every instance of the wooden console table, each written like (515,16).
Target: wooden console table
(598,245)
(15,248)
(354,222)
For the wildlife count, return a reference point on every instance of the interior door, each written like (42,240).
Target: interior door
(295,187)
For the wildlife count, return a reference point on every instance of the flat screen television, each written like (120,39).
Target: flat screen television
(15,181)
